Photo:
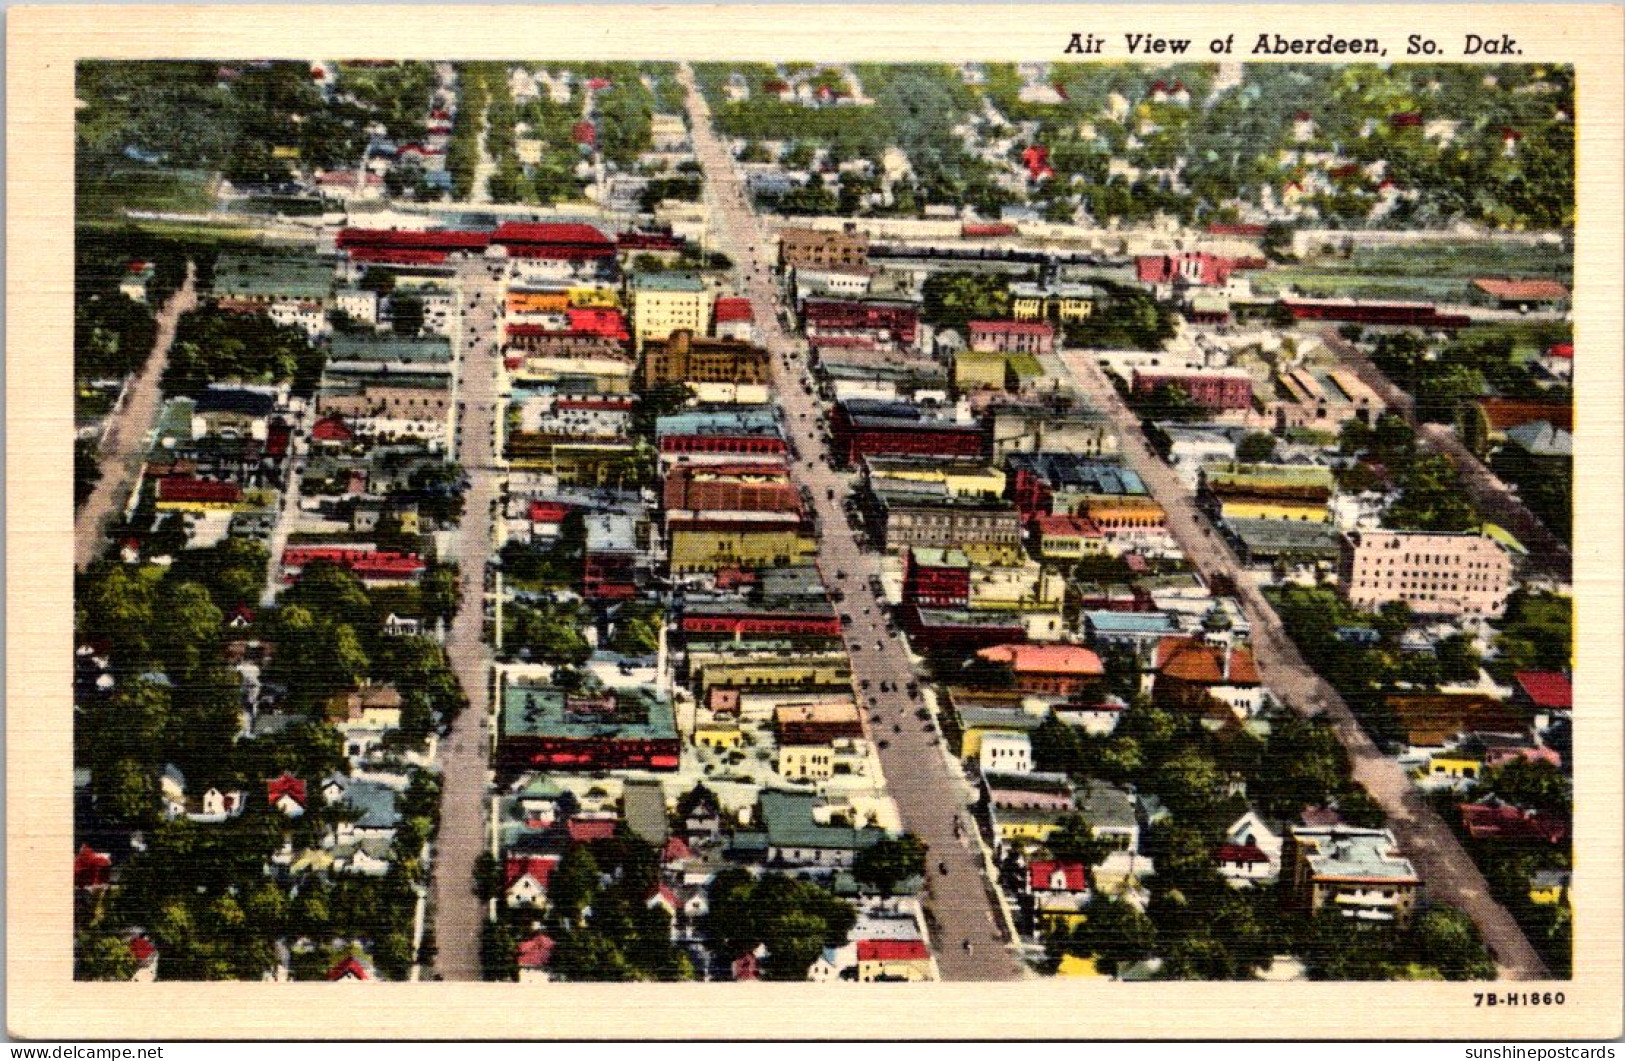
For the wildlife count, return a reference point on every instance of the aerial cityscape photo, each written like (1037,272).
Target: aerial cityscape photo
(686,521)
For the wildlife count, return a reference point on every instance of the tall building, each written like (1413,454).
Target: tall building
(683,357)
(663,303)
(1436,574)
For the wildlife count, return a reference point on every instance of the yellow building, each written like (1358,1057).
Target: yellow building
(980,370)
(1027,586)
(769,669)
(960,479)
(1066,302)
(1073,966)
(719,737)
(663,303)
(1456,765)
(1548,887)
(1266,508)
(806,761)
(704,547)
(895,959)
(596,375)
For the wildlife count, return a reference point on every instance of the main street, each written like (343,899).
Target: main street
(125,441)
(464,752)
(1447,872)
(1490,495)
(929,790)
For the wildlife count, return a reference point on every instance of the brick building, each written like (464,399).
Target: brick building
(1013,337)
(1218,389)
(814,248)
(684,357)
(936,578)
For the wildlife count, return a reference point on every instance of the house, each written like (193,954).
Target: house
(894,959)
(1358,872)
(748,966)
(376,815)
(834,964)
(800,829)
(701,815)
(1059,892)
(1111,814)
(287,794)
(1251,831)
(533,955)
(525,880)
(1492,818)
(1546,695)
(402,625)
(1241,864)
(1548,886)
(91,868)
(351,968)
(1432,721)
(145,953)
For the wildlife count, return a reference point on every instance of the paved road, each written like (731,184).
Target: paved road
(125,441)
(1547,553)
(1449,874)
(929,789)
(464,752)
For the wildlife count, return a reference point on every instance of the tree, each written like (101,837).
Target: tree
(1074,840)
(1256,448)
(637,628)
(572,886)
(1530,784)
(102,957)
(1446,938)
(888,863)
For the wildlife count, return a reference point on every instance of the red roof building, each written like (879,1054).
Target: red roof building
(91,869)
(1012,337)
(539,868)
(1036,158)
(1197,268)
(549,512)
(1239,855)
(1493,819)
(1061,669)
(570,242)
(286,785)
(349,969)
(892,950)
(731,310)
(587,830)
(675,850)
(142,949)
(584,134)
(535,952)
(1545,690)
(182,490)
(439,241)
(1049,876)
(1521,292)
(363,563)
(598,320)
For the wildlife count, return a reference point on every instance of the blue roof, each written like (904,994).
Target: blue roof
(1105,622)
(745,421)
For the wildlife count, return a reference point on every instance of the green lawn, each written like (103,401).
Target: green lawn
(122,188)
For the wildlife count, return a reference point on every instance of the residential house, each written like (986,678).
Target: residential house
(1358,872)
(1058,893)
(533,956)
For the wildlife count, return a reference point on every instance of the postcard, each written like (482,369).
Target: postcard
(824,522)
